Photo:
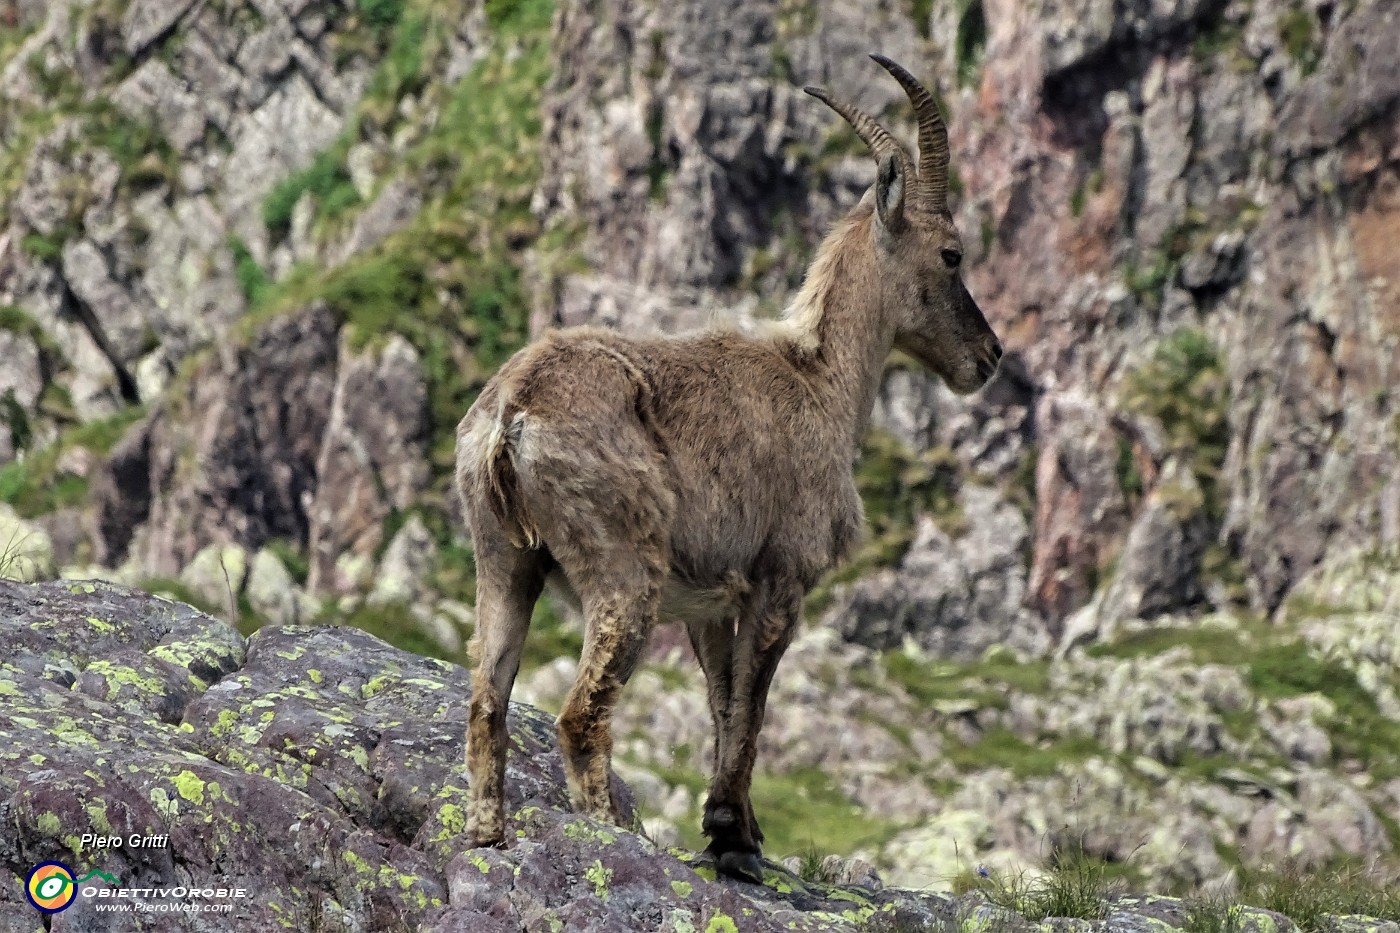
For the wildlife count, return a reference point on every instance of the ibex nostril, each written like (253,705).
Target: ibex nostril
(996,349)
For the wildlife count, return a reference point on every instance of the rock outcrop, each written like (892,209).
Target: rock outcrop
(318,770)
(1176,215)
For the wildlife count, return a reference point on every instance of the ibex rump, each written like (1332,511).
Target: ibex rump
(703,478)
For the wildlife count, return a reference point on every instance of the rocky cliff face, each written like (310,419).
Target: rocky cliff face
(257,259)
(1175,214)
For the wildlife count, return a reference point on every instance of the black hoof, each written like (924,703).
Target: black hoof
(746,866)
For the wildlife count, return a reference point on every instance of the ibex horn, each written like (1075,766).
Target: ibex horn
(933,138)
(871,133)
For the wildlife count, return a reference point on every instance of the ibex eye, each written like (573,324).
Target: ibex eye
(952,257)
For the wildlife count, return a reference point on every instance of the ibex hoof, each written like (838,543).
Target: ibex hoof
(746,866)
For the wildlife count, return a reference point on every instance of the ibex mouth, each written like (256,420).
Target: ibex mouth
(986,369)
(988,363)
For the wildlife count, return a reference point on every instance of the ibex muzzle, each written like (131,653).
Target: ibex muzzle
(638,476)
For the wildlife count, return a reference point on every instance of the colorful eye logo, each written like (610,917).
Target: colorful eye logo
(50,887)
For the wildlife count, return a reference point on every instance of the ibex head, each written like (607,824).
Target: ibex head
(918,250)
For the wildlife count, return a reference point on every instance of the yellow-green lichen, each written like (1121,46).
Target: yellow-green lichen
(374,686)
(682,888)
(97,815)
(124,676)
(579,831)
(360,866)
(225,722)
(105,628)
(721,923)
(454,821)
(314,674)
(189,786)
(601,876)
(8,688)
(48,824)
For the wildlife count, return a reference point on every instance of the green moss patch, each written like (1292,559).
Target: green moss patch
(33,485)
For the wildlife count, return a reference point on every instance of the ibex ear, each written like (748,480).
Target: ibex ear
(889,192)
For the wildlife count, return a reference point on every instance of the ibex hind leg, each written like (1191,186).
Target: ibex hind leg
(508,581)
(620,592)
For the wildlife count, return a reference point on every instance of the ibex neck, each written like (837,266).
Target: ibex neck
(841,319)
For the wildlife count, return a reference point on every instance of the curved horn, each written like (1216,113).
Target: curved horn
(933,137)
(871,133)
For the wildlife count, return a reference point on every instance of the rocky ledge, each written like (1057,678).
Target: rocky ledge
(318,770)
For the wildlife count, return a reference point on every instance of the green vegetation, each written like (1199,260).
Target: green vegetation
(1220,37)
(326,179)
(803,810)
(1311,898)
(46,248)
(1298,33)
(1074,888)
(380,15)
(1213,915)
(1090,185)
(971,41)
(510,15)
(143,156)
(141,151)
(986,682)
(292,558)
(1002,748)
(1358,728)
(450,283)
(251,278)
(1147,282)
(1208,644)
(1184,387)
(16,321)
(897,485)
(11,38)
(17,420)
(33,485)
(802,813)
(922,14)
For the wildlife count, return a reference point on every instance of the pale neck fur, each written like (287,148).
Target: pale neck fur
(838,318)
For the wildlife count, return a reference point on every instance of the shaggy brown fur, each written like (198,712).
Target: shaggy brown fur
(705,479)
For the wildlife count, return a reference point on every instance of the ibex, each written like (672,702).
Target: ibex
(705,478)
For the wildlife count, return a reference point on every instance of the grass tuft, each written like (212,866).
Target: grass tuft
(1076,889)
(1213,915)
(1311,899)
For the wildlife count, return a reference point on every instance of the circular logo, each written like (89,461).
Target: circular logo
(50,887)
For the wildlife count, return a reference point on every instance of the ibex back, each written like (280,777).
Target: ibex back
(705,479)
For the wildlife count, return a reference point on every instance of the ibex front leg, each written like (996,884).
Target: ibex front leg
(764,632)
